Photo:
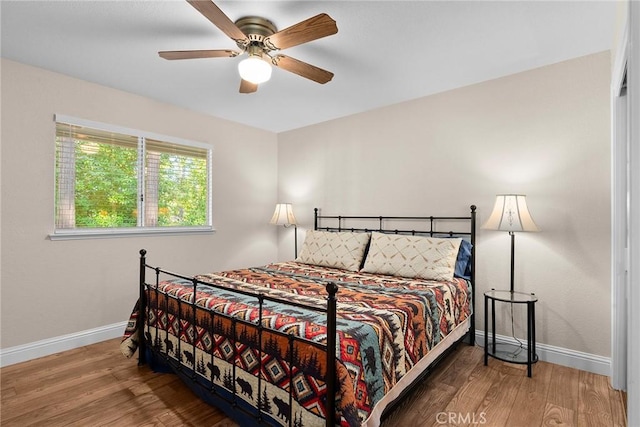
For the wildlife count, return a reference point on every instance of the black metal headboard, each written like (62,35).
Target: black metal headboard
(432,226)
(426,225)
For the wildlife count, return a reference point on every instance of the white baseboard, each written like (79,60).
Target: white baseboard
(561,356)
(22,353)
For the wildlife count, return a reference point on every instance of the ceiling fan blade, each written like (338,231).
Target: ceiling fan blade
(193,54)
(302,69)
(219,19)
(247,87)
(314,28)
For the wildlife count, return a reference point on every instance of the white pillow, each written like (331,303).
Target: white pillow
(412,256)
(342,249)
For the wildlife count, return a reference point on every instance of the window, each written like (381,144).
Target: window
(112,181)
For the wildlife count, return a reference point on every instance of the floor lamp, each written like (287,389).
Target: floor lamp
(510,214)
(283,215)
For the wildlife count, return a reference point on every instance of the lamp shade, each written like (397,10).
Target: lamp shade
(283,215)
(254,69)
(510,213)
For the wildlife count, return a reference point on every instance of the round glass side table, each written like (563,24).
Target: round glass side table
(508,352)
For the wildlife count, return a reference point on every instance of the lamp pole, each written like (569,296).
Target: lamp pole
(513,256)
(295,237)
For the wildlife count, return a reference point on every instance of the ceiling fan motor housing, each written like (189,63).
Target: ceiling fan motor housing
(256,30)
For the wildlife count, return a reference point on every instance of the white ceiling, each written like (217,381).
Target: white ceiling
(385,52)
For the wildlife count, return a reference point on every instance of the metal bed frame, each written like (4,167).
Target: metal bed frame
(149,347)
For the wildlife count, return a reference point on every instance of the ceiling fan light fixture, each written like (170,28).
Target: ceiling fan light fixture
(254,69)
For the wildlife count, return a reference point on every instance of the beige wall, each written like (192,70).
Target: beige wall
(53,288)
(544,133)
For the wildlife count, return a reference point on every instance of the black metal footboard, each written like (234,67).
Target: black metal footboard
(153,344)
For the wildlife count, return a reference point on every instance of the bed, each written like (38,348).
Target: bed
(336,337)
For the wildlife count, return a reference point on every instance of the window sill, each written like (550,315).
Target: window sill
(108,233)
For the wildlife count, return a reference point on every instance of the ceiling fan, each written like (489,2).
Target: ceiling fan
(260,39)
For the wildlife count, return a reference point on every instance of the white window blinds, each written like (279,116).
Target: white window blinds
(124,179)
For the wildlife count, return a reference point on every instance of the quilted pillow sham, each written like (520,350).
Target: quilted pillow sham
(343,249)
(412,256)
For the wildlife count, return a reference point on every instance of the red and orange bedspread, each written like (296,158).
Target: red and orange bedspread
(386,324)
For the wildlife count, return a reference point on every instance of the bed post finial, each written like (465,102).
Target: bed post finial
(315,218)
(473,208)
(332,289)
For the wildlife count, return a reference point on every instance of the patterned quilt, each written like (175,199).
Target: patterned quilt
(386,324)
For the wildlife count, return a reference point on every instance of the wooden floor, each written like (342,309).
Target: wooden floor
(97,386)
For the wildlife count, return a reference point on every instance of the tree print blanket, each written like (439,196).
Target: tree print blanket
(386,324)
